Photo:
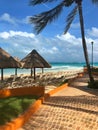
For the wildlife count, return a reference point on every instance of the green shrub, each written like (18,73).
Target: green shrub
(63,82)
(12,107)
(93,85)
(95,70)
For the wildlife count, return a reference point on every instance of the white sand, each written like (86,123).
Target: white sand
(47,79)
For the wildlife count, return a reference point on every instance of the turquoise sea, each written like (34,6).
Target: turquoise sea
(55,67)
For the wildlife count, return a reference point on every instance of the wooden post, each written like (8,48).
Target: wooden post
(1,74)
(16,71)
(34,73)
(42,70)
(31,72)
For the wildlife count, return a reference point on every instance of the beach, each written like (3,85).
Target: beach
(49,80)
(55,67)
(52,77)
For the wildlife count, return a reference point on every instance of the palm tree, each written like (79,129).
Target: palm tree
(41,20)
(95,1)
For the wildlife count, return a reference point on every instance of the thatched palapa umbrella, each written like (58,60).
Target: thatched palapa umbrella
(7,61)
(35,60)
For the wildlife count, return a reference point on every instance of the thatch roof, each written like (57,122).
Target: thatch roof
(7,61)
(35,60)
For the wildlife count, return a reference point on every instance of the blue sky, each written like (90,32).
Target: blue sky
(18,38)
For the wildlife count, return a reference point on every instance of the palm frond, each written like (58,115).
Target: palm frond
(35,2)
(70,19)
(68,2)
(95,2)
(41,20)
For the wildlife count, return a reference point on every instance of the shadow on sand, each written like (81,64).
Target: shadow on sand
(82,82)
(83,103)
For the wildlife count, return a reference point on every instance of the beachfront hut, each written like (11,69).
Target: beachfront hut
(7,61)
(35,60)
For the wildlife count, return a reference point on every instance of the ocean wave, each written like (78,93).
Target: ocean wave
(55,67)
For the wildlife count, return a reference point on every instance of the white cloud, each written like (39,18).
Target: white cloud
(12,20)
(75,25)
(93,32)
(70,38)
(55,49)
(6,17)
(51,50)
(67,48)
(4,35)
(11,33)
(25,20)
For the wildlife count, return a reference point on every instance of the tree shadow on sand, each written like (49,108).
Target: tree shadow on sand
(82,82)
(88,104)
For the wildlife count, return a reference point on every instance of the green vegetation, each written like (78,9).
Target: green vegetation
(12,107)
(95,69)
(63,82)
(93,85)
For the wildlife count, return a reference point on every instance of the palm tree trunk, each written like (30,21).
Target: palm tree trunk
(84,42)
